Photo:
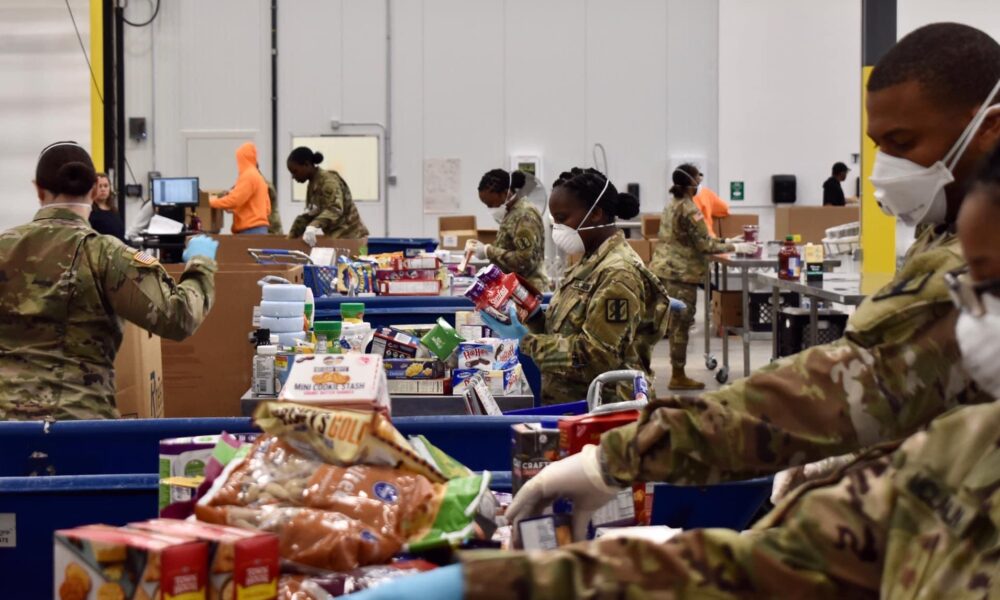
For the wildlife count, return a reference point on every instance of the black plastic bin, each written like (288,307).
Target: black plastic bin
(760,308)
(793,329)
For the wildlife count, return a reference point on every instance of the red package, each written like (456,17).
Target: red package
(578,431)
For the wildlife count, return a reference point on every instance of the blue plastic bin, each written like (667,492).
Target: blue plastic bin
(729,505)
(409,246)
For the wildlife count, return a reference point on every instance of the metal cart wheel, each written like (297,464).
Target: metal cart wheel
(710,362)
(722,376)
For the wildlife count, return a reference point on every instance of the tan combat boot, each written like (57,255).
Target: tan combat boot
(681,382)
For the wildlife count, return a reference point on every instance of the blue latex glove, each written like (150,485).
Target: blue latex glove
(512,331)
(440,584)
(676,305)
(200,245)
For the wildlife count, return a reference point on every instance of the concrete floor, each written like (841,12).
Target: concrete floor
(760,355)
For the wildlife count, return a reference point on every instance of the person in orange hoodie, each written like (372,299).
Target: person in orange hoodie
(248,200)
(710,205)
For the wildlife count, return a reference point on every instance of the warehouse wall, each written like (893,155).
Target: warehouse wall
(44,93)
(983,14)
(789,96)
(478,81)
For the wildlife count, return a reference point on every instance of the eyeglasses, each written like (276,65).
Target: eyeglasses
(967,294)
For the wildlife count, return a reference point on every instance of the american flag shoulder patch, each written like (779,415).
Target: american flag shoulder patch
(144,259)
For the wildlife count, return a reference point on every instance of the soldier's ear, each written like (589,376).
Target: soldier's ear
(39,191)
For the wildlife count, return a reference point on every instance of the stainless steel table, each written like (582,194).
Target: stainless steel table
(840,288)
(416,406)
(727,261)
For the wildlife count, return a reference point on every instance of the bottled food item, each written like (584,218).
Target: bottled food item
(327,337)
(789,261)
(750,233)
(352,312)
(263,371)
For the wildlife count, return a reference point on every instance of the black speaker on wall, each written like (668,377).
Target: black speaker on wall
(783,189)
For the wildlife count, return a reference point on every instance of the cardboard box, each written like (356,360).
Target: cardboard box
(139,374)
(106,562)
(207,374)
(811,222)
(732,226)
(413,287)
(390,343)
(420,387)
(411,275)
(414,368)
(534,447)
(244,563)
(727,309)
(487,236)
(455,231)
(502,382)
(651,226)
(643,249)
(487,354)
(575,432)
(232,252)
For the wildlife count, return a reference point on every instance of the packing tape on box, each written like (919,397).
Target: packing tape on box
(276,292)
(279,326)
(270,308)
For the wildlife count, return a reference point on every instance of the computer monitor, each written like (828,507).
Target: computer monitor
(175,191)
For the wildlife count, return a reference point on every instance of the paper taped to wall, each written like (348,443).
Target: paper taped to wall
(442,185)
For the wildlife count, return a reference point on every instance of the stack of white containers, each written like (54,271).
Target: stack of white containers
(282,311)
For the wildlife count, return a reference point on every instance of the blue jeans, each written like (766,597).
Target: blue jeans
(261,230)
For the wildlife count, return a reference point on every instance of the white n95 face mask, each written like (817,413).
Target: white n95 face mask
(979,339)
(915,194)
(568,239)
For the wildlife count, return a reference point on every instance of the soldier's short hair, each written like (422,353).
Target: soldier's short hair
(957,65)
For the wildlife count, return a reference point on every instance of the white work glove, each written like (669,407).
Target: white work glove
(577,478)
(311,234)
(745,248)
(735,239)
(480,250)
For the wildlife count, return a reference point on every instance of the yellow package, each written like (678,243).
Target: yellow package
(343,437)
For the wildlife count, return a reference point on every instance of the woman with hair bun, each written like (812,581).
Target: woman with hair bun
(330,210)
(609,309)
(520,244)
(681,262)
(65,291)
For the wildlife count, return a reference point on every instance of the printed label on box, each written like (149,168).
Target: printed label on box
(8,530)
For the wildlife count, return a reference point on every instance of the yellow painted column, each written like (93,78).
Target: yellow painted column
(878,230)
(97,93)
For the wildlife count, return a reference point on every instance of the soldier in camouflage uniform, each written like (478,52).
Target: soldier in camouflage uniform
(917,522)
(609,309)
(681,263)
(330,210)
(65,292)
(897,367)
(520,243)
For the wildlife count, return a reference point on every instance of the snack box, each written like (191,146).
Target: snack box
(578,431)
(99,562)
(338,380)
(487,354)
(420,387)
(547,532)
(502,382)
(242,563)
(474,332)
(533,448)
(414,368)
(417,287)
(410,275)
(417,262)
(391,343)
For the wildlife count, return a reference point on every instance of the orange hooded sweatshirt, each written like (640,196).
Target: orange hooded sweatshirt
(248,200)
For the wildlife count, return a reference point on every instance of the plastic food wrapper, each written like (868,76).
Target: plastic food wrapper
(355,381)
(343,437)
(334,585)
(185,461)
(339,518)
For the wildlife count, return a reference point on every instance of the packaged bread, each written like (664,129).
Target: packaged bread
(343,437)
(108,563)
(242,563)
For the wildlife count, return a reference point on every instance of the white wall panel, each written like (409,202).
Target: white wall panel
(982,14)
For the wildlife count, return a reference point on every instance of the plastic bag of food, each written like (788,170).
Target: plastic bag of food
(334,585)
(343,437)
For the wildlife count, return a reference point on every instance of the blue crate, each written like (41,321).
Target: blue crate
(322,280)
(409,246)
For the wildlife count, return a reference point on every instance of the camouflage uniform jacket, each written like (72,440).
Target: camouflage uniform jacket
(897,367)
(608,313)
(329,202)
(520,245)
(64,291)
(921,522)
(684,242)
(274,218)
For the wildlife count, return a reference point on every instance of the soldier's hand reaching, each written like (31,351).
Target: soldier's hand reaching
(200,245)
(577,478)
(506,331)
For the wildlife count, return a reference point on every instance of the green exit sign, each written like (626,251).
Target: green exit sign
(736,190)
